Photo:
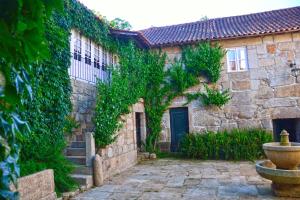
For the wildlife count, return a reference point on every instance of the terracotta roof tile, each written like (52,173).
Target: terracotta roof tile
(276,21)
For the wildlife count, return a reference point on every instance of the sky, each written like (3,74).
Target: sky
(143,14)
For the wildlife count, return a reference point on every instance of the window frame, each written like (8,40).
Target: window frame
(88,51)
(104,60)
(97,57)
(77,50)
(238,68)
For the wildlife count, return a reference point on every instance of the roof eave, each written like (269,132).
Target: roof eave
(183,43)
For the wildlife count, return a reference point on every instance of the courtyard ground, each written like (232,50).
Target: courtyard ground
(166,179)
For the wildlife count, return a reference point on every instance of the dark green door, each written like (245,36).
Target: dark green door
(179,126)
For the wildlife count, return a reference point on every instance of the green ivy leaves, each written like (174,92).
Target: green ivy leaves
(204,59)
(142,74)
(214,97)
(114,99)
(211,97)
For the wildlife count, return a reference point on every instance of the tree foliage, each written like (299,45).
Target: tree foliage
(120,24)
(23,46)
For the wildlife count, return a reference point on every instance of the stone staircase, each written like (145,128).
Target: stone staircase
(76,153)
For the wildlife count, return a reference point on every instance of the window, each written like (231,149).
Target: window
(89,61)
(77,47)
(111,59)
(104,59)
(88,51)
(237,59)
(96,57)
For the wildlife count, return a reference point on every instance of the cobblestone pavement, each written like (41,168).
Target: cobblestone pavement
(166,179)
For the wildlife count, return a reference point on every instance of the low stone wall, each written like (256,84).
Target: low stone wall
(38,186)
(122,154)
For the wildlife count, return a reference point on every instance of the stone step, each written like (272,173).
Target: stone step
(79,160)
(75,152)
(78,144)
(80,138)
(84,170)
(83,180)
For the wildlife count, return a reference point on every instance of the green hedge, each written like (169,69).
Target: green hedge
(237,144)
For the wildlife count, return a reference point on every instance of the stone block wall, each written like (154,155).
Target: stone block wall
(267,91)
(122,154)
(38,186)
(83,101)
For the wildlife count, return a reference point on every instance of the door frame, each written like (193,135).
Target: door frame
(172,136)
(138,129)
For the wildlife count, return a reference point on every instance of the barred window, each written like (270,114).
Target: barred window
(88,51)
(104,59)
(97,57)
(77,47)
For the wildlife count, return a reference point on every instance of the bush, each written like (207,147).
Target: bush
(237,144)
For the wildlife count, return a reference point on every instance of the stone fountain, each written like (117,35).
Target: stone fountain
(282,168)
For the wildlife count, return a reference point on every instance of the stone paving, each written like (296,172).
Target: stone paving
(166,179)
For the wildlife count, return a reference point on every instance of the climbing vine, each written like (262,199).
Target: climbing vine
(125,88)
(48,114)
(211,97)
(203,60)
(142,74)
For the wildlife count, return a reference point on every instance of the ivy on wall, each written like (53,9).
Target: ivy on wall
(202,60)
(211,97)
(142,74)
(48,113)
(127,86)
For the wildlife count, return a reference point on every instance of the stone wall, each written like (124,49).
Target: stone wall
(122,154)
(83,101)
(38,186)
(266,91)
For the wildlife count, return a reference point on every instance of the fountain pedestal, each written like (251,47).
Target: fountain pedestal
(286,190)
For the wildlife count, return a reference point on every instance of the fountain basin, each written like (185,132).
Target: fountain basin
(285,183)
(284,157)
(268,170)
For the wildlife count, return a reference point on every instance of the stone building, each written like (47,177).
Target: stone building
(259,69)
(89,62)
(262,49)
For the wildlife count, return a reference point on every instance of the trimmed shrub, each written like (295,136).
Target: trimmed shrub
(237,144)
